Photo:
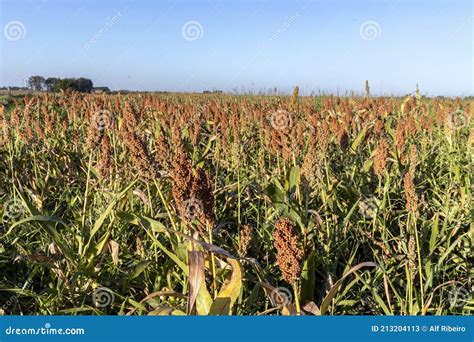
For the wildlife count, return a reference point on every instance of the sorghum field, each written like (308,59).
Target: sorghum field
(215,204)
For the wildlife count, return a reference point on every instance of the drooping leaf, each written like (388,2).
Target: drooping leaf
(203,300)
(229,292)
(312,308)
(148,222)
(195,278)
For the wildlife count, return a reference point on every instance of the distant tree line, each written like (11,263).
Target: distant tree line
(39,83)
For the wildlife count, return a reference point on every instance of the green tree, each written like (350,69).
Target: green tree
(36,83)
(65,84)
(51,83)
(84,85)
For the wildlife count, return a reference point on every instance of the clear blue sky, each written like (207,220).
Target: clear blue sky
(250,45)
